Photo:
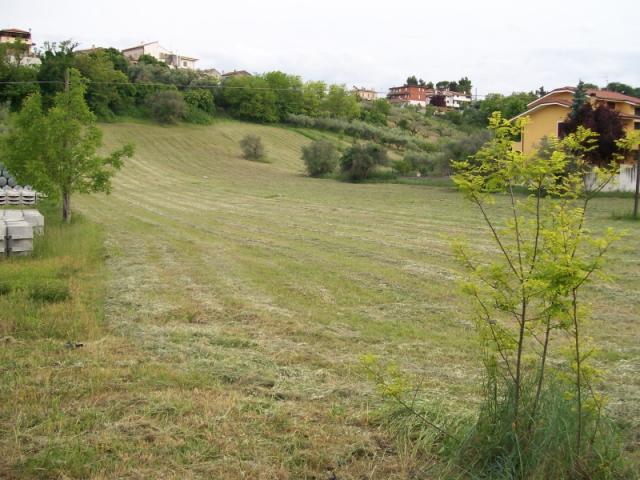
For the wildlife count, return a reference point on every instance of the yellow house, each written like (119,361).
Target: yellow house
(548,113)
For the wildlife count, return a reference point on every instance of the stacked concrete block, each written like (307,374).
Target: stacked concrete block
(18,237)
(35,219)
(3,197)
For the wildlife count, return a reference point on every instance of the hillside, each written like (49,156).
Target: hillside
(240,299)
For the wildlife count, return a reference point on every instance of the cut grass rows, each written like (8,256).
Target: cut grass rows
(240,297)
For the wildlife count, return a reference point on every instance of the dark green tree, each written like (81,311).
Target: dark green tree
(412,80)
(579,99)
(464,85)
(361,159)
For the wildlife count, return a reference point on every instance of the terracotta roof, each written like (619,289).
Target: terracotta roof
(560,103)
(612,96)
(236,72)
(14,30)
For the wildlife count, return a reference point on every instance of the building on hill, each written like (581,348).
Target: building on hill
(24,55)
(235,73)
(155,50)
(548,113)
(421,95)
(410,95)
(367,94)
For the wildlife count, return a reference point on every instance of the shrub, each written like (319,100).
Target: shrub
(320,157)
(252,147)
(361,159)
(167,106)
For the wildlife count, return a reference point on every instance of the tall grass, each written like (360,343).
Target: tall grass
(57,291)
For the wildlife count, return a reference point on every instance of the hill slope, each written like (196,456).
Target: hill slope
(242,296)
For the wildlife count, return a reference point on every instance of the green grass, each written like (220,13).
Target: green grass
(238,299)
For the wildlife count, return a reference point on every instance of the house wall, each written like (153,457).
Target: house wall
(542,122)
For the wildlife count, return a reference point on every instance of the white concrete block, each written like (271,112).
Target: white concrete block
(35,219)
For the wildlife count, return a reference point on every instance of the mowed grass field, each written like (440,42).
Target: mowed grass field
(240,297)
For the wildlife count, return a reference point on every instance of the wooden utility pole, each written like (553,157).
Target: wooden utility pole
(66,196)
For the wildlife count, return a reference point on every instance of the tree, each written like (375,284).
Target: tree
(320,157)
(200,98)
(430,85)
(453,86)
(56,150)
(11,71)
(607,126)
(252,147)
(56,59)
(412,80)
(340,103)
(313,94)
(167,106)
(376,112)
(360,160)
(108,90)
(438,100)
(532,296)
(250,98)
(464,84)
(621,88)
(579,99)
(442,85)
(288,93)
(541,92)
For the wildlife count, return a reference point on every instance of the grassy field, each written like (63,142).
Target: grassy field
(239,298)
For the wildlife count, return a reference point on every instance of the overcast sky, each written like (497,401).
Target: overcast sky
(501,45)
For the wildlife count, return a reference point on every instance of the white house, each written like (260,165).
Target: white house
(155,50)
(21,56)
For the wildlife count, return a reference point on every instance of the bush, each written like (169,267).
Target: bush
(320,157)
(252,147)
(167,106)
(361,159)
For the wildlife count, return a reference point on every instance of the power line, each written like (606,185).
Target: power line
(155,84)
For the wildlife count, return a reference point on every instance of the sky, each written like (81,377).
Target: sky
(501,45)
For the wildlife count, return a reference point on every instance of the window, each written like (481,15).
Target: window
(562,130)
(637,125)
(637,111)
(611,105)
(184,64)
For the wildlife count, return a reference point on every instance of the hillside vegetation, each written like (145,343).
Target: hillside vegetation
(240,298)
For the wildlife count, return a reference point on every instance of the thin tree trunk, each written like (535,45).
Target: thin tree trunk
(543,362)
(519,359)
(66,207)
(578,371)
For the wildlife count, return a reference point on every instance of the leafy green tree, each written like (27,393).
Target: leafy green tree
(313,94)
(56,59)
(443,84)
(412,80)
(167,106)
(464,85)
(621,88)
(340,103)
(530,295)
(11,71)
(375,112)
(108,90)
(320,157)
(250,98)
(288,93)
(429,85)
(453,86)
(57,150)
(361,159)
(200,98)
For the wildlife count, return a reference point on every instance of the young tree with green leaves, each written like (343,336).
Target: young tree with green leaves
(56,150)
